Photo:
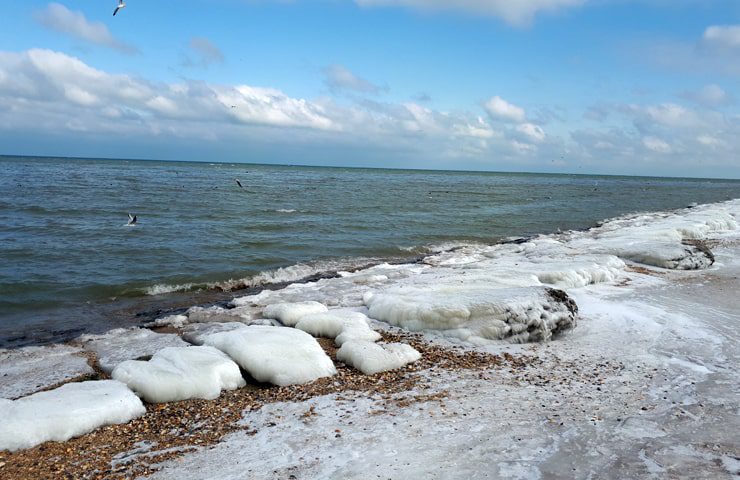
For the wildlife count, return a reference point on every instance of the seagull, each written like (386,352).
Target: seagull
(131,220)
(238,183)
(121,4)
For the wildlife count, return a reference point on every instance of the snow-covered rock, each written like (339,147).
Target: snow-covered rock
(123,344)
(278,355)
(65,412)
(180,373)
(476,313)
(290,313)
(27,370)
(195,333)
(370,358)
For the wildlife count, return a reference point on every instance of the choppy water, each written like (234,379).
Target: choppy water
(65,250)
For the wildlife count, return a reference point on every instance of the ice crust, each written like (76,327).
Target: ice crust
(27,370)
(180,373)
(278,355)
(68,411)
(290,313)
(341,325)
(370,358)
(122,344)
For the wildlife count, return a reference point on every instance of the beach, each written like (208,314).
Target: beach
(628,372)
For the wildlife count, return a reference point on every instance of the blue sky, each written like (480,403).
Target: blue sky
(584,86)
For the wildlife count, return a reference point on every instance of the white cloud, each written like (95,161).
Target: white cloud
(709,96)
(500,109)
(531,131)
(726,36)
(59,18)
(656,145)
(206,53)
(515,12)
(339,78)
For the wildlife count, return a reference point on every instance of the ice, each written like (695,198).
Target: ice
(68,411)
(27,370)
(340,324)
(195,333)
(177,321)
(122,344)
(476,313)
(370,358)
(278,355)
(290,313)
(180,373)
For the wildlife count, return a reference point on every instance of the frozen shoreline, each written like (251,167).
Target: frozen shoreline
(645,385)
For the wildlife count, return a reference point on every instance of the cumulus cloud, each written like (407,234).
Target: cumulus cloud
(339,78)
(500,109)
(514,12)
(725,36)
(531,131)
(656,145)
(203,53)
(709,96)
(59,18)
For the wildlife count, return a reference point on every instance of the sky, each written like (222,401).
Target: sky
(630,87)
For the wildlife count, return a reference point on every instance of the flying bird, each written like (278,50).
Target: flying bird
(131,220)
(121,4)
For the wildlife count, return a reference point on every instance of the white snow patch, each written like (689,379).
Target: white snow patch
(68,411)
(123,344)
(278,355)
(370,358)
(180,373)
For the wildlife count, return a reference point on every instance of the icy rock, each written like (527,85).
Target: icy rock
(341,325)
(68,411)
(290,313)
(475,313)
(27,370)
(121,344)
(672,256)
(321,324)
(195,333)
(278,355)
(370,358)
(180,373)
(176,321)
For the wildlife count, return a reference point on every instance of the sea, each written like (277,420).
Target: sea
(70,264)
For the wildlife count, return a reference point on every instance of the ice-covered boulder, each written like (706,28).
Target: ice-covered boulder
(290,313)
(180,373)
(27,370)
(476,313)
(195,333)
(65,412)
(370,358)
(340,324)
(277,355)
(123,344)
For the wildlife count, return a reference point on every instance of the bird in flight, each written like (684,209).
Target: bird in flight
(121,4)
(131,219)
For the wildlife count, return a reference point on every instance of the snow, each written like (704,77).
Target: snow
(278,355)
(370,358)
(68,411)
(123,344)
(290,313)
(27,370)
(196,333)
(180,373)
(321,324)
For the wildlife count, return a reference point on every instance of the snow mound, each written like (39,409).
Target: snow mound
(370,358)
(475,313)
(290,313)
(27,370)
(68,411)
(278,355)
(341,325)
(123,344)
(180,373)
(177,321)
(196,333)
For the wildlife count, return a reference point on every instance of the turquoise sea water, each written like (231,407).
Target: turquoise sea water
(68,262)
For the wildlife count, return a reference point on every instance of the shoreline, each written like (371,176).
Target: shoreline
(624,392)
